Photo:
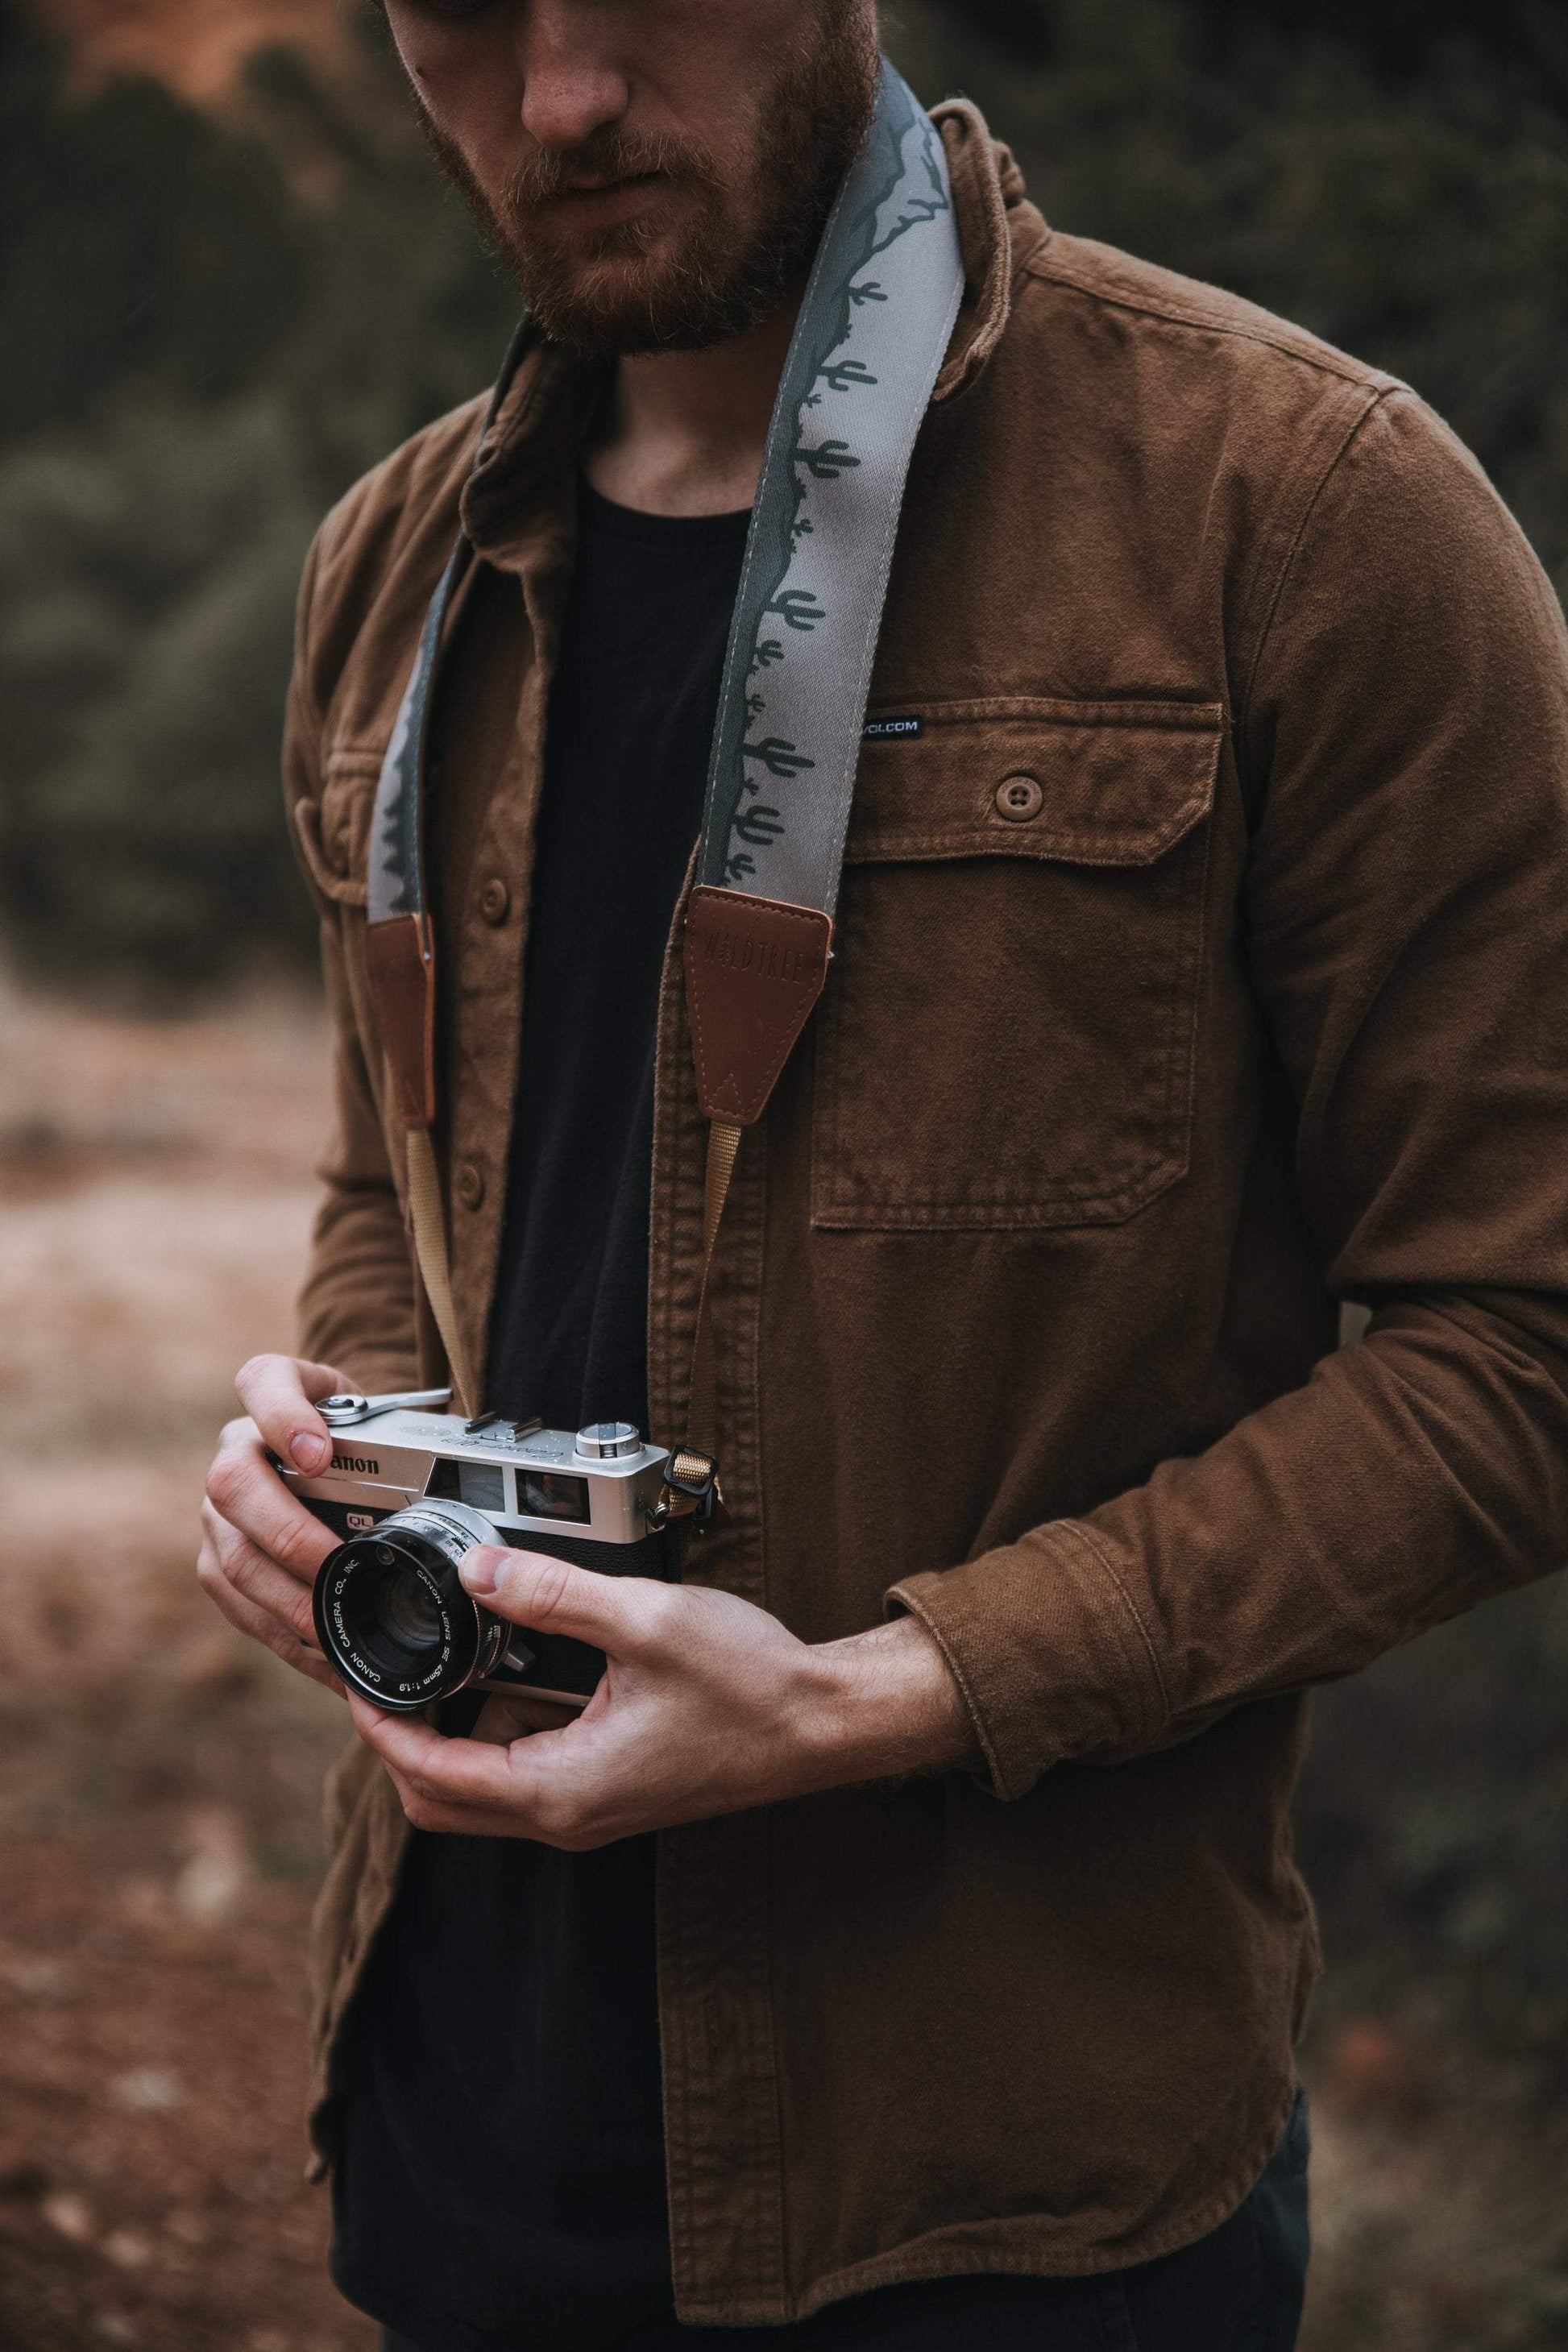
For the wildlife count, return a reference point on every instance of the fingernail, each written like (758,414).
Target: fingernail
(481,1570)
(311,1451)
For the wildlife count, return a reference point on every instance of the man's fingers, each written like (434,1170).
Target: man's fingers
(452,1771)
(504,1718)
(448,1820)
(261,1549)
(244,1488)
(252,1592)
(278,1393)
(246,1617)
(468,1776)
(255,1576)
(618,1614)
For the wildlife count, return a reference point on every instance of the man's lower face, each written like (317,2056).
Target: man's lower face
(689,262)
(676,249)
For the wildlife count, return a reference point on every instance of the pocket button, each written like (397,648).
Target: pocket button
(1019,798)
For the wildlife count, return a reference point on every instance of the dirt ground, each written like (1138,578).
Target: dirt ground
(158,1802)
(158,1821)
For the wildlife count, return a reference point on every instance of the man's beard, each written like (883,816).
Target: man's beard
(737,253)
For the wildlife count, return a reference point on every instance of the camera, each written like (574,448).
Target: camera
(410,1490)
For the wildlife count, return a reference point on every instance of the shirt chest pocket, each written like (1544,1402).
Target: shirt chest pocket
(1007,1037)
(333,830)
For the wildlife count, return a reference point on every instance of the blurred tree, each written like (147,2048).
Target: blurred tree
(1418,219)
(143,241)
(153,571)
(214,327)
(1399,37)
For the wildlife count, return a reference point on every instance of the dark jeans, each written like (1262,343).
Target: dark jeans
(1238,2289)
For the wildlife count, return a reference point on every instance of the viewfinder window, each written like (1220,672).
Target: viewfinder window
(481,1485)
(552,1495)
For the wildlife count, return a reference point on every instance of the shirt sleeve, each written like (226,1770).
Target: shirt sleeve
(1407,918)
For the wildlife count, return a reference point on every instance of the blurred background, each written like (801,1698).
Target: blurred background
(231,282)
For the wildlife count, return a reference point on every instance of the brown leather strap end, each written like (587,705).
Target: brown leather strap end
(754,968)
(401,961)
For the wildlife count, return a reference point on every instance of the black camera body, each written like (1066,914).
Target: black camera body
(409,1492)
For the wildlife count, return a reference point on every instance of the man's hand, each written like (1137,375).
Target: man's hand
(708,1706)
(260,1549)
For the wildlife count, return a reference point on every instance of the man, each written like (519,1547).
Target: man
(1200,965)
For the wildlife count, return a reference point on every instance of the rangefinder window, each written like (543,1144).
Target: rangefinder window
(481,1485)
(552,1495)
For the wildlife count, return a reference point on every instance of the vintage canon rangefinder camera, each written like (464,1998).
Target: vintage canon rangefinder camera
(410,1490)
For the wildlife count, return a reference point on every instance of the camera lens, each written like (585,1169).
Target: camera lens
(406,1611)
(392,1615)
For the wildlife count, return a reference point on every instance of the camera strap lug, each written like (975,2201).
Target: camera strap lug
(692,1490)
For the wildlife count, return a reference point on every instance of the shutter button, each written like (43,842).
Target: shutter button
(471,1185)
(495,900)
(1019,798)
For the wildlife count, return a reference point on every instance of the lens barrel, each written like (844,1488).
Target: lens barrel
(392,1615)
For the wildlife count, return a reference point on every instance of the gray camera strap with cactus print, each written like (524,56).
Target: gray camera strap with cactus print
(875,323)
(878,312)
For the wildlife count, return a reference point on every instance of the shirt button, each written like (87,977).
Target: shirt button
(338,853)
(1019,798)
(495,900)
(470,1185)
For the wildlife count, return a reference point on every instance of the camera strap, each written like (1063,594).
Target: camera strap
(874,327)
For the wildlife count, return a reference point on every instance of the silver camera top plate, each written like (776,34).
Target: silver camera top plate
(535,1481)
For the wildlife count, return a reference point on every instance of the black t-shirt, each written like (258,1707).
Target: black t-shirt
(501,2171)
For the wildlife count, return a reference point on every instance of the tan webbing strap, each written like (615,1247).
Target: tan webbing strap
(723,1145)
(429,1214)
(400,959)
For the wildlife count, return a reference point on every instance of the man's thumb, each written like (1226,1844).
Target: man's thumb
(549,1595)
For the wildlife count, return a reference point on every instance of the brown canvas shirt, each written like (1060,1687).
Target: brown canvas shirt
(1248,1000)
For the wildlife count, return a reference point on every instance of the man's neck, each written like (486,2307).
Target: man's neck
(684,431)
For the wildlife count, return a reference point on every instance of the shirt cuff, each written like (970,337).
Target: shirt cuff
(1048,1650)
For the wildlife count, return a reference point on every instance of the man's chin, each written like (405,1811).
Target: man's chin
(621,304)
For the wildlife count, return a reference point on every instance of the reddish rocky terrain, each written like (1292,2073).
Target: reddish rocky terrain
(159,1788)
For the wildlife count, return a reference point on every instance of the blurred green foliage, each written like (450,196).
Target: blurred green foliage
(1394,177)
(211,328)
